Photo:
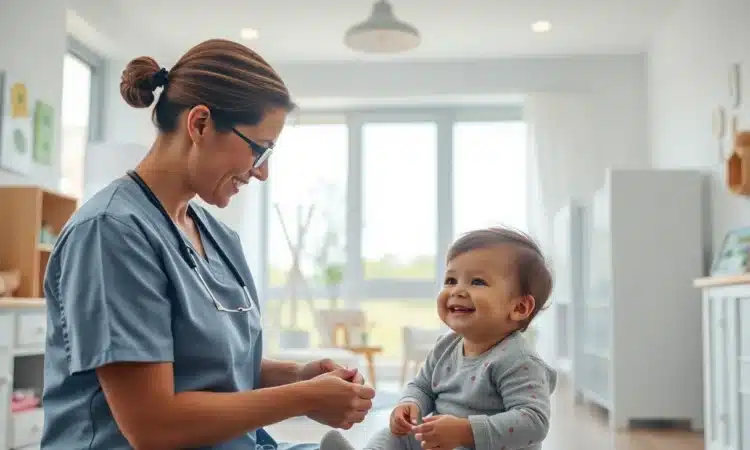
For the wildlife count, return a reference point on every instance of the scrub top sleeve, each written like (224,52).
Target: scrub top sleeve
(113,296)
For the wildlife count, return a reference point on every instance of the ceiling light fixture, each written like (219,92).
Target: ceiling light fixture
(249,34)
(382,32)
(541,26)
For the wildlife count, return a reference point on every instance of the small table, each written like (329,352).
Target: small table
(369,353)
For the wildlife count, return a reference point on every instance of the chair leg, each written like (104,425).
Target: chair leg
(404,370)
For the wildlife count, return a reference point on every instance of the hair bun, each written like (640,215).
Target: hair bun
(137,82)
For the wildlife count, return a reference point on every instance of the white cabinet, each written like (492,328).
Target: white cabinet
(726,355)
(640,356)
(23,328)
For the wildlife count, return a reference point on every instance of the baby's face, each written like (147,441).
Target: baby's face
(477,300)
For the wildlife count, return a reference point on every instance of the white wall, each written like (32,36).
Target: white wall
(36,58)
(688,69)
(615,85)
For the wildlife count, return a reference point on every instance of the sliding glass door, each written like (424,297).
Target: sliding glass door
(361,212)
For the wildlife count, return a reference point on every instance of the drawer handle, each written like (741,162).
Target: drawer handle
(36,429)
(3,381)
(40,330)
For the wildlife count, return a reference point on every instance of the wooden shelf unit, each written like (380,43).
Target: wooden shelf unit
(24,210)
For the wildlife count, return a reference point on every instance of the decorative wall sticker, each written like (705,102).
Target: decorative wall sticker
(15,126)
(44,133)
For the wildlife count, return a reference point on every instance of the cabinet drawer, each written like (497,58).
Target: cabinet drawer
(6,330)
(31,330)
(26,428)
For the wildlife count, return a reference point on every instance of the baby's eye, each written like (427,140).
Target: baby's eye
(450,281)
(478,282)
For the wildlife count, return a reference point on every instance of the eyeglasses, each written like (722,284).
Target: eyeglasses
(263,152)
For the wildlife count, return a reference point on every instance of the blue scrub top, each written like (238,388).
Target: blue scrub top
(118,289)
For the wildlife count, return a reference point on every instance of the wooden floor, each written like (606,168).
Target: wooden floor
(573,427)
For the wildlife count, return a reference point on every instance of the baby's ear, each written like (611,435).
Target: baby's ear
(524,306)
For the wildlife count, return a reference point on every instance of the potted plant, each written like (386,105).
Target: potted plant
(333,275)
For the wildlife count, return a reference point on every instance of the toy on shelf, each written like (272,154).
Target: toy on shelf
(47,235)
(738,165)
(10,281)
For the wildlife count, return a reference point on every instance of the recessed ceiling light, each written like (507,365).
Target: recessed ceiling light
(249,33)
(541,26)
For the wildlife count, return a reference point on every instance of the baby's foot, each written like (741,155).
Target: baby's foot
(333,440)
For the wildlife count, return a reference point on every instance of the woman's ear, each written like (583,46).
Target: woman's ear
(523,308)
(197,122)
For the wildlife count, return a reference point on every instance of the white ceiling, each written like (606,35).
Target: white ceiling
(307,30)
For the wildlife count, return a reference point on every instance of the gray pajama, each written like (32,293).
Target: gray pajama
(505,394)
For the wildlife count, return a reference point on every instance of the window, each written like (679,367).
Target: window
(389,316)
(489,175)
(399,200)
(81,114)
(306,222)
(76,111)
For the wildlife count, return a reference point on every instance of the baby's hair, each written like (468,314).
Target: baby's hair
(534,275)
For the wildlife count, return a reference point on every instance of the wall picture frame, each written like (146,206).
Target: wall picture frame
(15,125)
(44,133)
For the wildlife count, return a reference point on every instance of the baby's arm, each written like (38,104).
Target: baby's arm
(525,388)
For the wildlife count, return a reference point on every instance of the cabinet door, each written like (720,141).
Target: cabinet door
(743,333)
(732,379)
(717,433)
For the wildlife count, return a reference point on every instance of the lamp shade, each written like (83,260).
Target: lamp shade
(382,32)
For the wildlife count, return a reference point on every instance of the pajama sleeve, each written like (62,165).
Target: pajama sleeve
(525,387)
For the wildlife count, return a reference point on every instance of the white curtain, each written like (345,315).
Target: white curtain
(566,162)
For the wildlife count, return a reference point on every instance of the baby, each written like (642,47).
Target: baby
(482,386)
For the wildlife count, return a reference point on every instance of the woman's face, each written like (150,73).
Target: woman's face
(221,164)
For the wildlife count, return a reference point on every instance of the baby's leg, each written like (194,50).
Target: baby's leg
(385,440)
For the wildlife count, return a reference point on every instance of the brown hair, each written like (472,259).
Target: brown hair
(534,276)
(233,81)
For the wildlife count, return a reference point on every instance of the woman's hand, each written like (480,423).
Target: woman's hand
(337,402)
(322,366)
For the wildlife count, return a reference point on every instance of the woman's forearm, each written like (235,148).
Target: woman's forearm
(278,373)
(196,419)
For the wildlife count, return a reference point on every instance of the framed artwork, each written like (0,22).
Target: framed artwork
(15,126)
(732,257)
(44,133)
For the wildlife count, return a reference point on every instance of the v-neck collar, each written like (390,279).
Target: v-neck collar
(206,241)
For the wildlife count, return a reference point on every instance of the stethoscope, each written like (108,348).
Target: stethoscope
(187,252)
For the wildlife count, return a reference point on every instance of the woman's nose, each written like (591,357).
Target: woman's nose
(261,172)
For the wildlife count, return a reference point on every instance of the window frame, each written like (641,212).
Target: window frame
(355,287)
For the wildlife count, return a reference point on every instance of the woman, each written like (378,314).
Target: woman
(155,335)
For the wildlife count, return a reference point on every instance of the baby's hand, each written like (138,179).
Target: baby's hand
(443,432)
(403,418)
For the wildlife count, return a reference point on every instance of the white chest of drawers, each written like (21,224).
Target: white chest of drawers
(23,329)
(726,352)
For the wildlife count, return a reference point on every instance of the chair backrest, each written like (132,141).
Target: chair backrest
(333,322)
(419,341)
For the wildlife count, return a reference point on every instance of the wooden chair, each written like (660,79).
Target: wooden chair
(417,345)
